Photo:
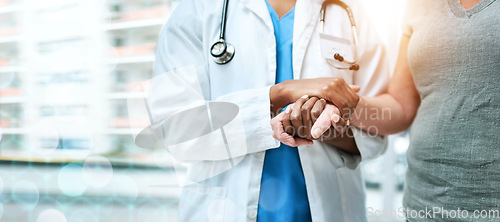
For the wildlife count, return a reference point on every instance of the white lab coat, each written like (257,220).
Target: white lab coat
(223,191)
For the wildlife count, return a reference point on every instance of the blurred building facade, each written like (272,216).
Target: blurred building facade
(69,72)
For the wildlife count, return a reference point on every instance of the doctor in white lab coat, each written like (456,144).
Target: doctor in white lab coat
(224,171)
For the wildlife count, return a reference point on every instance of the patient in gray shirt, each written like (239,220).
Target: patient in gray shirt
(454,156)
(447,81)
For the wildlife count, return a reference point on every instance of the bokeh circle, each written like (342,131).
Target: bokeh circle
(26,194)
(71,181)
(51,215)
(97,171)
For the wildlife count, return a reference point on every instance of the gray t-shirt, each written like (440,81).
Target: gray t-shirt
(454,155)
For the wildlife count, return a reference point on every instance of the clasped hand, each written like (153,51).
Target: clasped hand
(314,118)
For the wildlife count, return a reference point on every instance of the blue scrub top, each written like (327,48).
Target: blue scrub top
(283,195)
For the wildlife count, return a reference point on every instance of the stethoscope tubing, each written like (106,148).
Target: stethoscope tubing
(223,20)
(353,31)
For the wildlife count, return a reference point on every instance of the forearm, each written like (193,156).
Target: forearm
(382,115)
(395,110)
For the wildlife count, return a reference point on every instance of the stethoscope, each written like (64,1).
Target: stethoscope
(222,52)
(352,64)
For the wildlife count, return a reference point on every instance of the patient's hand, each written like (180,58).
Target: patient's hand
(308,119)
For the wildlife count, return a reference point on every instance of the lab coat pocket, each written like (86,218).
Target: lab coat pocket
(206,203)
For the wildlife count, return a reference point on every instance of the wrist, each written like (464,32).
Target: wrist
(361,102)
(358,111)
(278,96)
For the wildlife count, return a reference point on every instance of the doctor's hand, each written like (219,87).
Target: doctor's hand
(332,89)
(296,123)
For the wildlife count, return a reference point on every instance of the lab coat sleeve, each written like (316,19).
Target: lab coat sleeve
(373,77)
(182,82)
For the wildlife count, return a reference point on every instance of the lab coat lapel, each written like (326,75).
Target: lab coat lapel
(306,18)
(259,8)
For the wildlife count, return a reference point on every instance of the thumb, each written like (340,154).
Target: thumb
(356,88)
(322,124)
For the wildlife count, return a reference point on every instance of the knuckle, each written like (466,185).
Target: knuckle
(332,84)
(316,112)
(344,104)
(326,88)
(319,103)
(335,83)
(338,81)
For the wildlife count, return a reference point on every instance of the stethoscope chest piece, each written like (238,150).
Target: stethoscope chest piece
(222,52)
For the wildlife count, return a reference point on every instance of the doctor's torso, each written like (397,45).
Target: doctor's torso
(249,29)
(334,184)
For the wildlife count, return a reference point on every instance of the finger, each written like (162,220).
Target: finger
(302,142)
(279,133)
(306,116)
(339,124)
(317,109)
(287,125)
(323,123)
(295,116)
(289,140)
(277,125)
(356,88)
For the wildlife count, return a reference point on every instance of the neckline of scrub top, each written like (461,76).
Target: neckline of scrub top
(273,12)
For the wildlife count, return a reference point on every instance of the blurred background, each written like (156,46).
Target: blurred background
(69,72)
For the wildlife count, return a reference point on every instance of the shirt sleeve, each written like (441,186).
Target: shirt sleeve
(182,84)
